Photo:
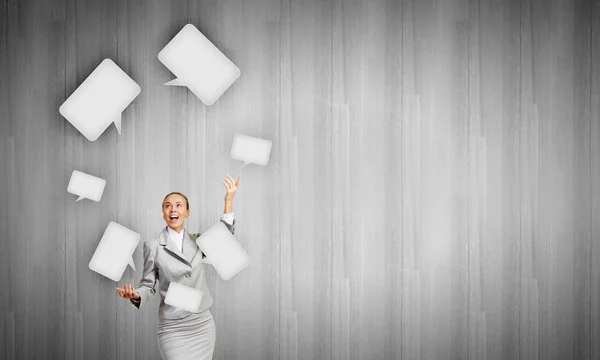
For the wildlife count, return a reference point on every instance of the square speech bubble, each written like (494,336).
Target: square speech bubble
(198,64)
(250,150)
(114,251)
(183,297)
(86,186)
(223,251)
(100,100)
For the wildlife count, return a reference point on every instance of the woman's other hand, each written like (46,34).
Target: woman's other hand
(231,187)
(128,292)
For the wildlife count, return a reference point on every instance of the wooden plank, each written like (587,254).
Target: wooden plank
(33,62)
(534,183)
(411,311)
(579,64)
(341,319)
(7,335)
(595,181)
(288,165)
(529,214)
(411,314)
(392,144)
(91,36)
(494,84)
(530,334)
(441,82)
(477,183)
(366,96)
(14,61)
(75,327)
(289,335)
(349,235)
(377,107)
(305,138)
(553,71)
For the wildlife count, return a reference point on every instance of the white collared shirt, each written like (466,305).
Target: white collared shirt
(177,238)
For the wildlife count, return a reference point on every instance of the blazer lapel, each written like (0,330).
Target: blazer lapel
(171,247)
(189,247)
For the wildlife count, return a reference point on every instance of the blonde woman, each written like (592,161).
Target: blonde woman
(173,256)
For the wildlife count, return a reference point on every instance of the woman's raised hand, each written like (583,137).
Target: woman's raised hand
(128,292)
(231,187)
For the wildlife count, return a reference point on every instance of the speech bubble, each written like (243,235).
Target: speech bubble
(223,251)
(183,297)
(100,100)
(198,64)
(250,150)
(114,252)
(86,186)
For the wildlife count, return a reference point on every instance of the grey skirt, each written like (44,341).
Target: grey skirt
(190,338)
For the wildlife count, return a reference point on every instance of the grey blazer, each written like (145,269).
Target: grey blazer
(163,262)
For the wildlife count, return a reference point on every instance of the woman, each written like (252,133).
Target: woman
(173,256)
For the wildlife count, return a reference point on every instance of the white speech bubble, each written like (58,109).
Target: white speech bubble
(86,186)
(114,252)
(183,297)
(250,150)
(223,251)
(198,64)
(100,100)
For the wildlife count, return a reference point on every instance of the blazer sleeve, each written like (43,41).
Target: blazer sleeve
(149,278)
(230,227)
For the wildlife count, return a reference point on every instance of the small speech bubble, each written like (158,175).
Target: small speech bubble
(223,251)
(100,100)
(183,297)
(114,252)
(250,150)
(198,64)
(86,186)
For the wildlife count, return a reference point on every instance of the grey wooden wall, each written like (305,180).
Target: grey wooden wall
(433,189)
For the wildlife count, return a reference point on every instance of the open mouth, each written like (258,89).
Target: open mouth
(173,218)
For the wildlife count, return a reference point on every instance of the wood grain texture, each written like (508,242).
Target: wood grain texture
(432,190)
(494,118)
(594,179)
(90,36)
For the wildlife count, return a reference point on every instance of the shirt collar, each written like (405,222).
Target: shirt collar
(175,235)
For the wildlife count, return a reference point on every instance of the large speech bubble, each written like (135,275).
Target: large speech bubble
(183,297)
(114,252)
(250,150)
(223,251)
(86,186)
(100,100)
(198,64)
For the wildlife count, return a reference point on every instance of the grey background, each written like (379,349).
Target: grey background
(433,189)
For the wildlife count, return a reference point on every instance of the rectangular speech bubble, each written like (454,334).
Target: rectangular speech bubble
(100,100)
(250,150)
(198,64)
(223,251)
(114,252)
(183,297)
(86,186)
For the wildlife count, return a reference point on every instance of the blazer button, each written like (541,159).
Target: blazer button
(187,275)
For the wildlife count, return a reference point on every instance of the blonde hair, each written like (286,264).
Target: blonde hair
(187,203)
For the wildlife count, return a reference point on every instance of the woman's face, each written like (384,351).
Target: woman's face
(175,211)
